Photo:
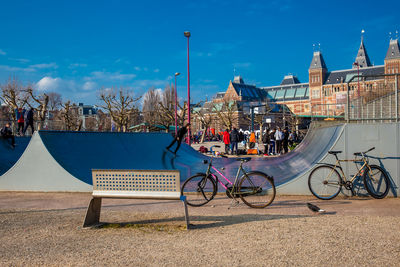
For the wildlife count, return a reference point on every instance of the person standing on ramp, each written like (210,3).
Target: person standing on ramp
(179,137)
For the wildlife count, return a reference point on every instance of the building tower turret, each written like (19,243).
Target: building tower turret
(392,59)
(362,58)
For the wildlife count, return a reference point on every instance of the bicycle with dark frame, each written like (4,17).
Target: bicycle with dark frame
(325,181)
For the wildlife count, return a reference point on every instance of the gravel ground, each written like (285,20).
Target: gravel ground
(45,229)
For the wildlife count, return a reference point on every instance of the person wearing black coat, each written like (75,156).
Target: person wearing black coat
(179,137)
(235,138)
(266,140)
(28,121)
(6,133)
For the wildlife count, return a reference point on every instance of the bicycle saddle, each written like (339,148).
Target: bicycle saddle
(243,159)
(334,152)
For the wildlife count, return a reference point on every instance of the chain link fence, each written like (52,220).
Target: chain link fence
(374,98)
(368,98)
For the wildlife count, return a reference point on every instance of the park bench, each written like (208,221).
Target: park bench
(133,184)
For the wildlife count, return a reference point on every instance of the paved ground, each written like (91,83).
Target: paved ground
(45,229)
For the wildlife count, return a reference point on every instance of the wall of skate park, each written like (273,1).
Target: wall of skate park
(385,137)
(61,161)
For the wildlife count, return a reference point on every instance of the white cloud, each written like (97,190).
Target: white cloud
(88,86)
(20,60)
(108,76)
(44,66)
(2,52)
(77,65)
(15,69)
(48,84)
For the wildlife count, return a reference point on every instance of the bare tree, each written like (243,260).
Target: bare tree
(225,112)
(120,104)
(205,117)
(104,121)
(167,107)
(55,100)
(69,115)
(14,95)
(43,102)
(151,106)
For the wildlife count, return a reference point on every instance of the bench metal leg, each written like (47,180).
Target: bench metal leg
(183,198)
(93,212)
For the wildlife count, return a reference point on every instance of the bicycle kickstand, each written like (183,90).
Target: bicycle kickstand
(234,203)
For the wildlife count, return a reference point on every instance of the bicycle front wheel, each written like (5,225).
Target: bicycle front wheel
(199,190)
(376,181)
(256,189)
(324,182)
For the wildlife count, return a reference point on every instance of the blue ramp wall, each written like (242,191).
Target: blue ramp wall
(8,155)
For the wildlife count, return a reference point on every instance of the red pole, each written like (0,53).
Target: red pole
(176,116)
(187,35)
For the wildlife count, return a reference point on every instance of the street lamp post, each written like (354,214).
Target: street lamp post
(187,35)
(358,86)
(176,106)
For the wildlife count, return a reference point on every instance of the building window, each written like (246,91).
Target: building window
(316,94)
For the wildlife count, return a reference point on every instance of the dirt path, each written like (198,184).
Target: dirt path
(45,229)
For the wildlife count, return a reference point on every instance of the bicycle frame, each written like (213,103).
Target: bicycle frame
(234,183)
(360,171)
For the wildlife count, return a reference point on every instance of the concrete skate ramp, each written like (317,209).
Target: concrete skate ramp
(79,153)
(8,155)
(62,161)
(285,168)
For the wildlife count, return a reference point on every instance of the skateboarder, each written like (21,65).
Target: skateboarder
(179,137)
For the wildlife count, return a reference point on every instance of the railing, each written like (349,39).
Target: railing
(373,98)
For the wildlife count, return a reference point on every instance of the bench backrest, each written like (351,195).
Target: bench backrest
(164,184)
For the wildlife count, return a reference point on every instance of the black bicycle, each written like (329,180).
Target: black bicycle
(325,181)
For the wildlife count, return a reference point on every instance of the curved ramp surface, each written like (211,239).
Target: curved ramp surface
(9,155)
(62,161)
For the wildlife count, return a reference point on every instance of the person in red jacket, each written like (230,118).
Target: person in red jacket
(227,140)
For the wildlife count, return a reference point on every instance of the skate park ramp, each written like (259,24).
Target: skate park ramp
(62,161)
(9,155)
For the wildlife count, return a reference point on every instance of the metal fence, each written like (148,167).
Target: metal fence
(373,98)
(367,98)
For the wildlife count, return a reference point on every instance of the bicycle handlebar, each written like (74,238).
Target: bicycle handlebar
(361,153)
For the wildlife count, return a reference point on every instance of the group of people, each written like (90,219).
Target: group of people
(277,141)
(24,120)
(231,140)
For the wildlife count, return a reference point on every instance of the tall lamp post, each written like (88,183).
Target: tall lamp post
(176,106)
(358,86)
(187,35)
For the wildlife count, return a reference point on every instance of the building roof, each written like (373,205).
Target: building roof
(290,79)
(317,61)
(362,58)
(342,76)
(393,51)
(291,92)
(247,91)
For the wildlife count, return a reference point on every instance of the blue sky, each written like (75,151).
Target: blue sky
(78,47)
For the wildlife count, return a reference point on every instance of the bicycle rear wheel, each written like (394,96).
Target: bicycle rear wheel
(256,189)
(376,181)
(199,190)
(325,182)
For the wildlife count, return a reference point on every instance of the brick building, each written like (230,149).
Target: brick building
(325,93)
